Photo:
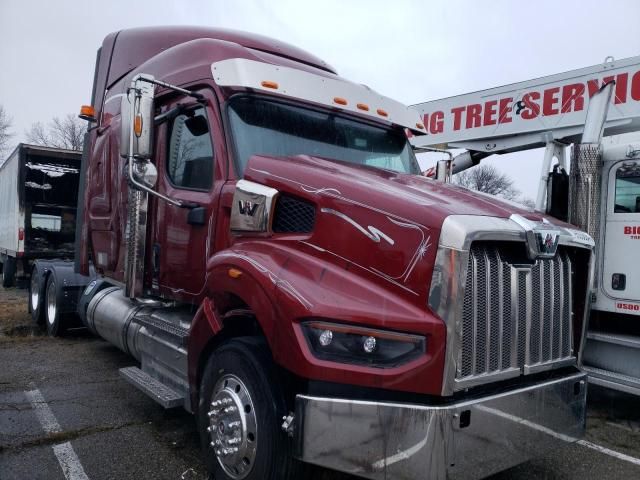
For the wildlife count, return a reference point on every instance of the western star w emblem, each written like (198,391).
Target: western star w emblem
(247,208)
(547,242)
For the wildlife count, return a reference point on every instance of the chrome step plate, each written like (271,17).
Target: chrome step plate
(158,391)
(618,339)
(613,380)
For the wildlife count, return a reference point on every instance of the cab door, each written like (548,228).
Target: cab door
(621,259)
(189,157)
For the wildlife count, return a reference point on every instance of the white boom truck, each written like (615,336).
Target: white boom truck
(601,193)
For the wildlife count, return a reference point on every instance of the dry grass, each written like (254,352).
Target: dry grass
(15,321)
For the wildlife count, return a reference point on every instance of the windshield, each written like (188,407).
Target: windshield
(265,127)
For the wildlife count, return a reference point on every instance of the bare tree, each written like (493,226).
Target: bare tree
(67,132)
(5,131)
(486,178)
(526,201)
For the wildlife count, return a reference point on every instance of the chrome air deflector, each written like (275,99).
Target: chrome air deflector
(333,92)
(504,290)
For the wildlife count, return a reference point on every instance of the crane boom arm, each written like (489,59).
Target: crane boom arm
(533,113)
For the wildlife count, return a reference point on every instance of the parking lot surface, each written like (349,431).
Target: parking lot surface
(66,413)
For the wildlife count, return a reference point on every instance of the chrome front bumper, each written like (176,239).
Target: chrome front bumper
(466,440)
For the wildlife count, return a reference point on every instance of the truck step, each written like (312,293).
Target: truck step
(158,324)
(162,394)
(613,380)
(615,338)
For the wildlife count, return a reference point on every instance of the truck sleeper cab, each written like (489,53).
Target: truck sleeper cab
(267,250)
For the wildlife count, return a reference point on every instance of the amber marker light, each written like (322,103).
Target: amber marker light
(234,273)
(382,113)
(269,84)
(340,100)
(363,106)
(420,126)
(88,113)
(137,125)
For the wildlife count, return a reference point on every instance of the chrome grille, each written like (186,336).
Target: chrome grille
(516,314)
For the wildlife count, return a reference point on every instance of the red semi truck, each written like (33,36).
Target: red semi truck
(267,250)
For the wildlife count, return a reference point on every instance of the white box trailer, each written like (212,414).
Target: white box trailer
(38,198)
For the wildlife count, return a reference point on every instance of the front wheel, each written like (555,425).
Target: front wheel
(239,415)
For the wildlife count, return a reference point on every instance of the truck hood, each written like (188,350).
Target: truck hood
(419,198)
(384,224)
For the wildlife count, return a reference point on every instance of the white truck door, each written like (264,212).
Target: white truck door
(620,272)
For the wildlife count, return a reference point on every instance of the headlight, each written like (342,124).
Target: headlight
(362,346)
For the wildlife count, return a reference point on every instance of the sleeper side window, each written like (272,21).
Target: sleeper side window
(190,159)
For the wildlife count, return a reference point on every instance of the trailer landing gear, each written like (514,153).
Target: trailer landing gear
(9,266)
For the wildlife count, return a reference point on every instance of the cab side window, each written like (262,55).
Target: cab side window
(190,159)
(628,188)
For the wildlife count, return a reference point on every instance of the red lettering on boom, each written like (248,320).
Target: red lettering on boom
(572,98)
(635,86)
(532,109)
(474,118)
(490,112)
(621,87)
(593,86)
(505,109)
(457,117)
(549,100)
(437,122)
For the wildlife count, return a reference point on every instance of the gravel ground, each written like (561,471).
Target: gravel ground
(116,432)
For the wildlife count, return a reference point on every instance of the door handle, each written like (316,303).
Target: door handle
(197,216)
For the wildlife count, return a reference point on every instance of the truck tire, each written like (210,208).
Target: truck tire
(52,302)
(36,297)
(9,272)
(240,414)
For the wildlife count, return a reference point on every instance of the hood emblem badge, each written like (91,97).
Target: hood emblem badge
(246,207)
(542,237)
(547,242)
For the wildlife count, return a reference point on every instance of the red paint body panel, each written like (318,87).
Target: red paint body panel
(286,285)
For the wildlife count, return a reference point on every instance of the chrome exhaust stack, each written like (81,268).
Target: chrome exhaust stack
(585,180)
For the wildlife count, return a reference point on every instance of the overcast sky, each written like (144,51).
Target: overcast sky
(412,51)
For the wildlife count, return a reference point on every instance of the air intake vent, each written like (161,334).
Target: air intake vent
(293,215)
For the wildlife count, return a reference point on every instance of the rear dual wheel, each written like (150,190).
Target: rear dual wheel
(239,415)
(36,307)
(55,320)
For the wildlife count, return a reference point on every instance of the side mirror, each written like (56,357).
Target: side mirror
(137,119)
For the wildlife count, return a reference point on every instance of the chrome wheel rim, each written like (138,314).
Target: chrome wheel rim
(51,303)
(233,426)
(35,294)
